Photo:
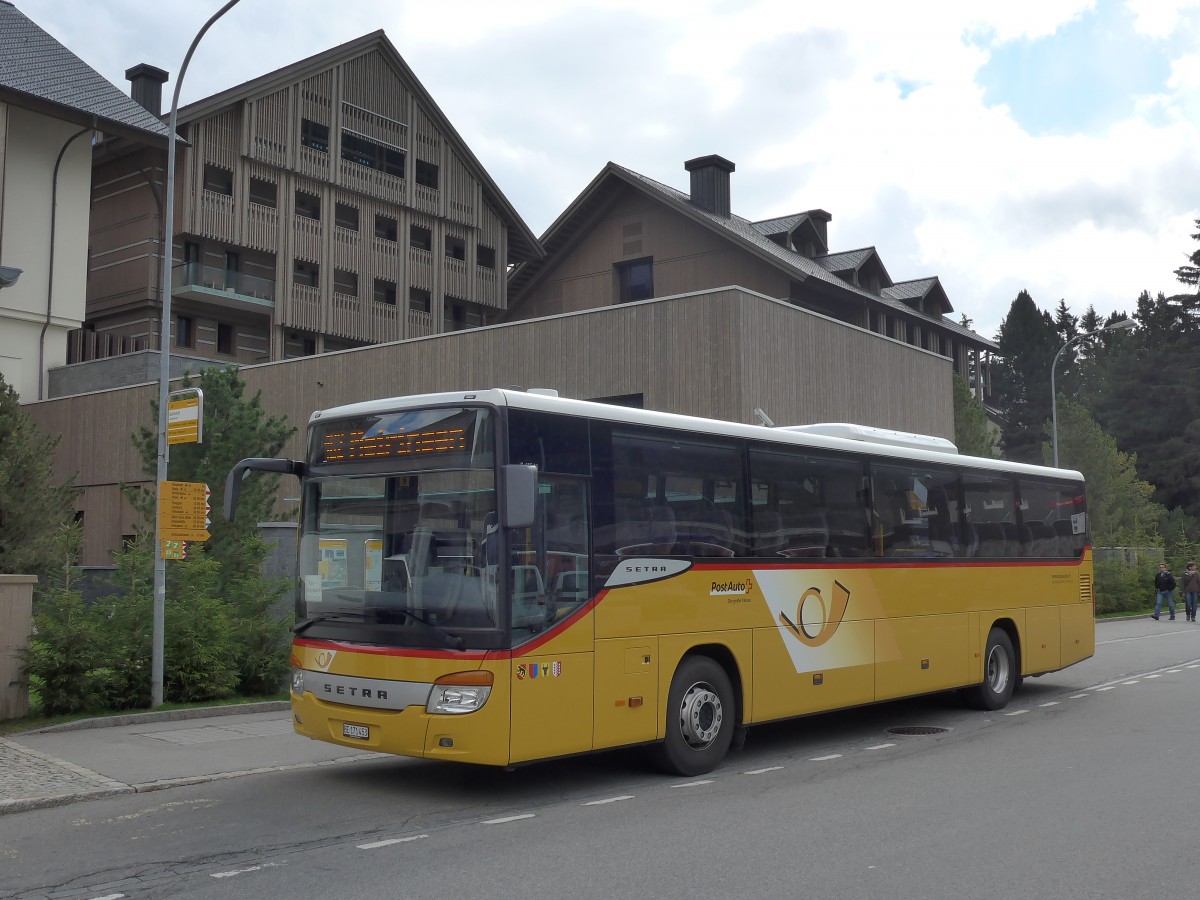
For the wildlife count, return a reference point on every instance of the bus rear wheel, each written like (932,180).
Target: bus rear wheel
(701,718)
(999,674)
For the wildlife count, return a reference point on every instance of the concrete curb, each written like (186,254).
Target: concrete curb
(116,788)
(166,715)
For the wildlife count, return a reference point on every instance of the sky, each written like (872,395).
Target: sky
(1045,145)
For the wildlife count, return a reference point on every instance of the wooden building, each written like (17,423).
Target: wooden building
(327,205)
(628,237)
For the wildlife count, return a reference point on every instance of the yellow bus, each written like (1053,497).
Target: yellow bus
(503,576)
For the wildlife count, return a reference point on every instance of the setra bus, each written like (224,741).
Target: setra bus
(502,576)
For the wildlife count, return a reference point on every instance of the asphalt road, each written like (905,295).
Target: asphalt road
(1083,787)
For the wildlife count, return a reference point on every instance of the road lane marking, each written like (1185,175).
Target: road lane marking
(404,840)
(505,819)
(1051,703)
(693,783)
(233,872)
(826,758)
(881,746)
(1017,712)
(609,800)
(761,771)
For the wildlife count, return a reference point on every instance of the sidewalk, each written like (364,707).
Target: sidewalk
(95,758)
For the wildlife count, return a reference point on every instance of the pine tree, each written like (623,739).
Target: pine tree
(972,432)
(33,507)
(1151,398)
(1028,341)
(234,427)
(1190,275)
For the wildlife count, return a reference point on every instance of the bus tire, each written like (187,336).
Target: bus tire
(701,718)
(1000,674)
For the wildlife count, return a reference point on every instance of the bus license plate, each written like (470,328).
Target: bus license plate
(362,732)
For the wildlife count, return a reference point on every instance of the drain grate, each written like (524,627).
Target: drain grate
(917,729)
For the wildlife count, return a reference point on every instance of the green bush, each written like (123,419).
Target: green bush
(65,660)
(1121,587)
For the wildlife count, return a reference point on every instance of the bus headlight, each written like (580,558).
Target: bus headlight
(297,681)
(462,692)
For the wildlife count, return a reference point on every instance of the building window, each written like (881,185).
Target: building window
(485,256)
(225,338)
(264,193)
(427,174)
(385,228)
(345,216)
(310,346)
(185,335)
(421,238)
(635,280)
(308,205)
(456,247)
(306,273)
(345,282)
(385,292)
(218,180)
(315,135)
(419,300)
(364,152)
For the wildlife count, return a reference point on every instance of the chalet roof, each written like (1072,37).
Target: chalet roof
(911,290)
(523,244)
(570,225)
(39,73)
(844,261)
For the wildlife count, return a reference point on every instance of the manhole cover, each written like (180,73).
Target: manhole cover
(917,729)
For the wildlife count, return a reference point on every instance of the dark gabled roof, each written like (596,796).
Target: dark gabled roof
(39,73)
(602,191)
(522,242)
(845,260)
(920,290)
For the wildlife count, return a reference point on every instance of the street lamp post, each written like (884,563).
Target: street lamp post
(1115,326)
(164,374)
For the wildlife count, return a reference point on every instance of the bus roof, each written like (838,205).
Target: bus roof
(826,436)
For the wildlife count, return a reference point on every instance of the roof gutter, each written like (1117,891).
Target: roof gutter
(53,235)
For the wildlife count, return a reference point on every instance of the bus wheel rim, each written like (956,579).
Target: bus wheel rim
(700,716)
(998,673)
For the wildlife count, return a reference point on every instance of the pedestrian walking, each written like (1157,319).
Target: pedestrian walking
(1164,584)
(1189,584)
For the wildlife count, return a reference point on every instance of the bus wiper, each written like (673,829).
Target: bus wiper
(451,640)
(324,617)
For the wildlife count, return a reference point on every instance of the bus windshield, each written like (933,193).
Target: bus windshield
(400,544)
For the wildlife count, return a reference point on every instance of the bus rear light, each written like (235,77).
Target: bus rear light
(461,692)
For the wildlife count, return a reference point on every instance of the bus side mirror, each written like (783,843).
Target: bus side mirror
(233,482)
(520,496)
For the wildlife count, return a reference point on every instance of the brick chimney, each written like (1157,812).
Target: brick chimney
(145,86)
(710,183)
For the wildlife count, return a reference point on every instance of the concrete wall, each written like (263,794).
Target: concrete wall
(31,144)
(718,354)
(16,625)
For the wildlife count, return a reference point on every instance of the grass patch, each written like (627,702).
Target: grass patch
(34,722)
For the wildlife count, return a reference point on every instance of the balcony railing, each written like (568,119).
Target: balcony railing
(207,279)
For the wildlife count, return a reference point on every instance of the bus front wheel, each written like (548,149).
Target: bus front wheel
(701,718)
(1000,674)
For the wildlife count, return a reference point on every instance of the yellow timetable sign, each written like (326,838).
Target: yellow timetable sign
(183,421)
(183,510)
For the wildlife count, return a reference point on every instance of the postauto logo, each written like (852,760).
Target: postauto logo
(816,619)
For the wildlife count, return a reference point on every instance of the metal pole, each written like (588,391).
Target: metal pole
(1054,397)
(164,373)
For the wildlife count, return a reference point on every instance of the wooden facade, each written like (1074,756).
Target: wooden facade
(719,354)
(325,206)
(623,219)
